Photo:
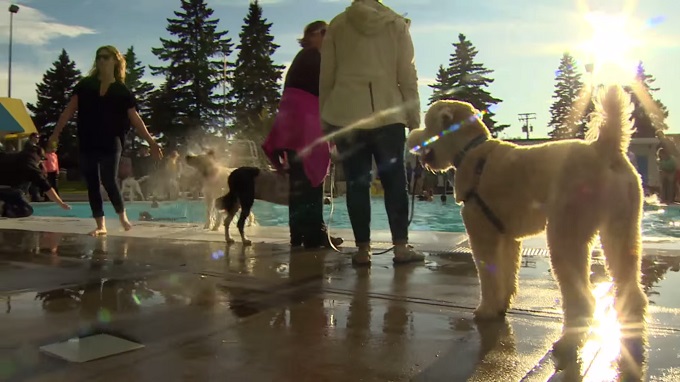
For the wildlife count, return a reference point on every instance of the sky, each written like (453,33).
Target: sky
(521,40)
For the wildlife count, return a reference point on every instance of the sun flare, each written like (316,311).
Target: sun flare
(611,49)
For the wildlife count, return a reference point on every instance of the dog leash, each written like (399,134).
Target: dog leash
(415,175)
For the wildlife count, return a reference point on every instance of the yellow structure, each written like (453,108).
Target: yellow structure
(15,122)
(376,188)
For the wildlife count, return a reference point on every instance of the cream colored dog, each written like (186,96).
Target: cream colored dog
(215,184)
(572,188)
(130,187)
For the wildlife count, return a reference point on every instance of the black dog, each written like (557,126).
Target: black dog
(245,185)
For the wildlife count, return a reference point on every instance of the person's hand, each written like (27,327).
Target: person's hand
(65,206)
(156,151)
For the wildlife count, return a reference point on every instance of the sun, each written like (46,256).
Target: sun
(611,49)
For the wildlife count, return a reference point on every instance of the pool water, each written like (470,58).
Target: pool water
(658,221)
(428,216)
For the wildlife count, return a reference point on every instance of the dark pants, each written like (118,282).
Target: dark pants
(52,179)
(101,168)
(668,188)
(14,205)
(357,150)
(34,192)
(305,206)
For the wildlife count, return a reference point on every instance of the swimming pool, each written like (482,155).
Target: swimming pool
(658,221)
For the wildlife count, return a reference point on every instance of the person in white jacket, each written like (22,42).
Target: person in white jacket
(368,95)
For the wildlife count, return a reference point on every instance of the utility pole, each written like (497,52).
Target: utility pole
(224,94)
(525,118)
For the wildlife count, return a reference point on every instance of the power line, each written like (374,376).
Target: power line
(525,118)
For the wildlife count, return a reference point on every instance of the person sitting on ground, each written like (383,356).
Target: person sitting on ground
(30,188)
(17,169)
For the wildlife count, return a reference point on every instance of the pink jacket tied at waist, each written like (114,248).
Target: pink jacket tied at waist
(296,127)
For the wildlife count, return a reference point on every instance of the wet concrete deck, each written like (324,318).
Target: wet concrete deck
(206,311)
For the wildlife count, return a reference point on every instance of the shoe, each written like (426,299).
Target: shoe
(406,254)
(295,241)
(324,243)
(362,257)
(322,240)
(336,241)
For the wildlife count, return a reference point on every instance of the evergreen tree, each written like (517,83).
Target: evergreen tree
(440,89)
(163,118)
(195,60)
(53,94)
(255,86)
(134,81)
(648,116)
(142,90)
(566,113)
(466,80)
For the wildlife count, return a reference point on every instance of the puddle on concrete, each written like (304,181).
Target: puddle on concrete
(285,293)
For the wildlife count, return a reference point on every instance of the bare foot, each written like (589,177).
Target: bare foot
(124,222)
(98,232)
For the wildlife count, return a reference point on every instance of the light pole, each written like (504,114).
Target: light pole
(12,10)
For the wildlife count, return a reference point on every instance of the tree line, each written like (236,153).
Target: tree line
(212,87)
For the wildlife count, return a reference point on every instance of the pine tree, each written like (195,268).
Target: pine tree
(134,81)
(163,119)
(255,86)
(466,80)
(648,116)
(142,90)
(195,60)
(566,114)
(440,88)
(54,93)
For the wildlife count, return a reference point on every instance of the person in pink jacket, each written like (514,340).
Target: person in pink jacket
(292,143)
(51,164)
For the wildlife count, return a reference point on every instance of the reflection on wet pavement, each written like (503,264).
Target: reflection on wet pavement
(206,311)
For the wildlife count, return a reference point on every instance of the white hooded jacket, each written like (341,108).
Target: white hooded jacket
(368,74)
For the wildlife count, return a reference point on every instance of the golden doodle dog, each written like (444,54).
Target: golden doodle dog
(573,189)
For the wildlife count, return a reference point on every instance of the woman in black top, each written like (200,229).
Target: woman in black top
(106,110)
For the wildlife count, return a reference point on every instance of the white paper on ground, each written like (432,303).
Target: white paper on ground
(90,348)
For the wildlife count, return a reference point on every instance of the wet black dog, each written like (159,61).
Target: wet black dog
(246,184)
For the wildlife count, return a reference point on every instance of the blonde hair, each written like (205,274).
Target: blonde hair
(118,69)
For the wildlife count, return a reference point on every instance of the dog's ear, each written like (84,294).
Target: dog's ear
(447,117)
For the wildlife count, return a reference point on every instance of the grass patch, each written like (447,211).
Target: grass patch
(71,187)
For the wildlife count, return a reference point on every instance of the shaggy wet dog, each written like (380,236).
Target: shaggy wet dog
(573,189)
(246,184)
(214,181)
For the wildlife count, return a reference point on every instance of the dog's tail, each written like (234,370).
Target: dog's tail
(226,202)
(611,126)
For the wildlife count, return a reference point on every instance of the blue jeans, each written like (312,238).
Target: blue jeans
(357,149)
(101,169)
